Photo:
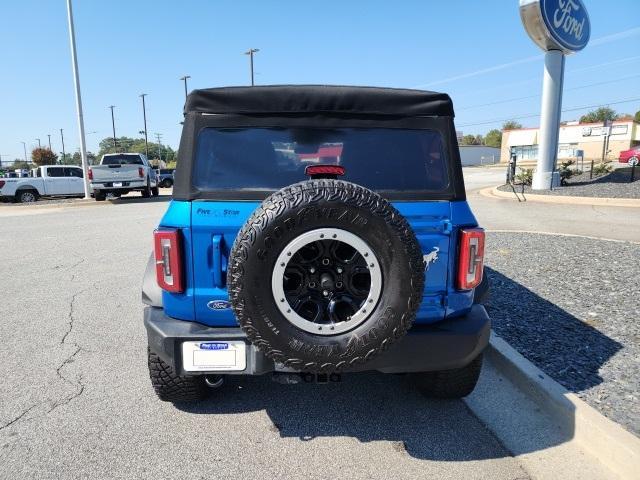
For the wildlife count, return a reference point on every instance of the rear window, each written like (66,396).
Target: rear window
(271,158)
(122,160)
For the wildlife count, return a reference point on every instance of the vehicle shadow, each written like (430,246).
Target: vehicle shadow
(365,406)
(567,349)
(372,406)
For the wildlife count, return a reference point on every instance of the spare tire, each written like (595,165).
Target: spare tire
(325,275)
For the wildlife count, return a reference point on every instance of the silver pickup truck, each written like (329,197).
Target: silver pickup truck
(121,173)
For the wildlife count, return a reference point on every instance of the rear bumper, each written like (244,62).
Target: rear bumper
(449,344)
(126,185)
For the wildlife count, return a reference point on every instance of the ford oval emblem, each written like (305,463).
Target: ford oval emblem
(219,305)
(567,22)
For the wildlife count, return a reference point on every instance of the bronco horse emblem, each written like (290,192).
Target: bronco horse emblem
(431,257)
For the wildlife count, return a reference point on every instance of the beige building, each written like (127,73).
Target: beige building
(589,137)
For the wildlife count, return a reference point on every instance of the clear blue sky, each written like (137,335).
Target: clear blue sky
(129,47)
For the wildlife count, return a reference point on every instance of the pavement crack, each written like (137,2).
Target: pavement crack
(18,418)
(70,317)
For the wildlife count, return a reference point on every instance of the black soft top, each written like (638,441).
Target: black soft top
(305,99)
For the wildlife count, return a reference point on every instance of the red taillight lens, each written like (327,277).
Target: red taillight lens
(312,170)
(2,182)
(140,172)
(471,258)
(90,174)
(168,255)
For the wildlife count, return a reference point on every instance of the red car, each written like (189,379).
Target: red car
(625,155)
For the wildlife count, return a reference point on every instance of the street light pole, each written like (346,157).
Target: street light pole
(64,155)
(250,52)
(186,91)
(144,115)
(24,146)
(113,125)
(76,81)
(48,135)
(39,145)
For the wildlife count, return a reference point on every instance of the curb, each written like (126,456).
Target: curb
(616,448)
(493,192)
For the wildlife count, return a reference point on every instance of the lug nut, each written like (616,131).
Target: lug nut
(339,284)
(325,292)
(339,269)
(312,270)
(325,261)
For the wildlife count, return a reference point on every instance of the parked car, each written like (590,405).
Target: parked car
(334,238)
(48,181)
(626,155)
(121,173)
(165,177)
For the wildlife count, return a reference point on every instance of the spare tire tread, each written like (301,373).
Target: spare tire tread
(311,192)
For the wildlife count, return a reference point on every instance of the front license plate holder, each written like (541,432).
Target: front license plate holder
(214,356)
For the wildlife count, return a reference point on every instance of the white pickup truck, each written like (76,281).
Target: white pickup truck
(47,181)
(121,173)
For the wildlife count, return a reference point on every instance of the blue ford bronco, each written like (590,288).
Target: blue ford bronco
(316,230)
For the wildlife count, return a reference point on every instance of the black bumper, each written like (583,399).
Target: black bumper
(449,344)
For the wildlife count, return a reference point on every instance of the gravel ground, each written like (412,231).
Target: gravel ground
(614,185)
(573,311)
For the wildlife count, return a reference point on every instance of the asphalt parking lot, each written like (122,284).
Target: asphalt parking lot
(77,403)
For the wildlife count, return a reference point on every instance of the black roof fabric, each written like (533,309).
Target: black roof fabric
(291,99)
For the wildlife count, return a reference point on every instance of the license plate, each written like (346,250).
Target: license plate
(215,356)
(117,184)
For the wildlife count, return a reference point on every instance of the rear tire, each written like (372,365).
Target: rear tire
(451,384)
(100,195)
(146,193)
(26,196)
(170,387)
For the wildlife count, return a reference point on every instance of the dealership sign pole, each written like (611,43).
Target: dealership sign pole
(559,27)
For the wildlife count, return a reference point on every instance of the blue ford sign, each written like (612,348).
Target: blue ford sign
(556,24)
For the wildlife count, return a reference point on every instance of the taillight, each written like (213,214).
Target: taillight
(168,255)
(90,174)
(471,258)
(140,172)
(2,182)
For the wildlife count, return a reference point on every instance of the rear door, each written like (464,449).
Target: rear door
(56,182)
(215,226)
(76,183)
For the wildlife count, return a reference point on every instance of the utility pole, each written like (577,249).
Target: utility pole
(144,115)
(186,91)
(39,145)
(250,52)
(113,124)
(24,146)
(48,135)
(64,155)
(159,137)
(76,81)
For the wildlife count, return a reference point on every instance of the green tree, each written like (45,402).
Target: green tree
(471,140)
(599,115)
(493,138)
(43,156)
(511,125)
(636,117)
(136,145)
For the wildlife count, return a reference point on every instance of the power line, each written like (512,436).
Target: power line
(538,96)
(533,115)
